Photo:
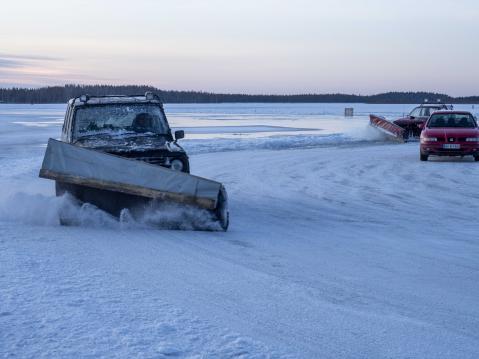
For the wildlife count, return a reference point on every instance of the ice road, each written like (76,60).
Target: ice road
(340,246)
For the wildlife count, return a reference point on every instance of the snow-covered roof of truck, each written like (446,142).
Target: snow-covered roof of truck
(438,104)
(85,100)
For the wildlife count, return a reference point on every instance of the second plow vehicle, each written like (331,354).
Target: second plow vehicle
(118,153)
(410,126)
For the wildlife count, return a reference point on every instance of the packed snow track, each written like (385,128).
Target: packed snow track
(353,250)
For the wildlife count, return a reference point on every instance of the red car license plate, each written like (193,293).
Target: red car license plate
(451,146)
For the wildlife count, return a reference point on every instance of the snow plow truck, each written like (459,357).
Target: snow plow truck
(410,126)
(118,152)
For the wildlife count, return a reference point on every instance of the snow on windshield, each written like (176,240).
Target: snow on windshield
(118,119)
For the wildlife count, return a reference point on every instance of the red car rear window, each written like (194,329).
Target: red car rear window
(452,120)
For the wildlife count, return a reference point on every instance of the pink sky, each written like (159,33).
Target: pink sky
(260,46)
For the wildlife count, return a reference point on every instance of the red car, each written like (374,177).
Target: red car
(450,133)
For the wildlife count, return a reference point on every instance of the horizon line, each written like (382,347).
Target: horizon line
(26,88)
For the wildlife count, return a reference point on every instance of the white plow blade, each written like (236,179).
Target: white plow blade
(76,165)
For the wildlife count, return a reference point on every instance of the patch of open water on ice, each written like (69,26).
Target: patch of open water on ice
(354,136)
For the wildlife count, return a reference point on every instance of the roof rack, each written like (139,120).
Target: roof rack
(148,96)
(437,102)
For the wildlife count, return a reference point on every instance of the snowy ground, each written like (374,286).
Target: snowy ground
(340,246)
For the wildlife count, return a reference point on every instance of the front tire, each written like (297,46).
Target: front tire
(476,158)
(221,212)
(423,157)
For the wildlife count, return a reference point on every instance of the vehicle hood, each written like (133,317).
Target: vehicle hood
(128,143)
(451,132)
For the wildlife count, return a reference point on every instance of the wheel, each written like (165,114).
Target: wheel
(221,212)
(476,158)
(423,157)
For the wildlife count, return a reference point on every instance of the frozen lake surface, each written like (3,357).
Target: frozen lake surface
(341,245)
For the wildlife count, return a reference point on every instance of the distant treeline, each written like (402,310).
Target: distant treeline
(61,94)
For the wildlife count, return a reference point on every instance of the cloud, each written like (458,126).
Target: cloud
(10,63)
(29,57)
(37,71)
(16,61)
(31,70)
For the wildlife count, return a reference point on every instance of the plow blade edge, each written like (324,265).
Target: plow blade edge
(390,129)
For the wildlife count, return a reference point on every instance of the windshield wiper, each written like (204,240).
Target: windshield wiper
(109,134)
(126,134)
(150,134)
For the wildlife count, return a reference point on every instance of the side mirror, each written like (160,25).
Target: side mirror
(179,135)
(421,125)
(412,117)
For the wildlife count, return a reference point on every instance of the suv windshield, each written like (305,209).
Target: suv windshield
(427,111)
(454,120)
(424,111)
(415,112)
(116,119)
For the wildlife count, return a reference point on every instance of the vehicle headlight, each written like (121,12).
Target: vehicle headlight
(177,165)
(428,139)
(472,139)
